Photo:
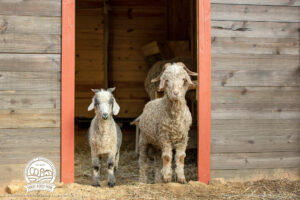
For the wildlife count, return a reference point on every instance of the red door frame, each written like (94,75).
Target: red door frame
(204,90)
(68,90)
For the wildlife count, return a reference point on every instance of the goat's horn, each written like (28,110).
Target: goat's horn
(111,89)
(95,90)
(187,69)
(162,71)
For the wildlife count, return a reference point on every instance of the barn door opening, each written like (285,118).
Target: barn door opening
(117,43)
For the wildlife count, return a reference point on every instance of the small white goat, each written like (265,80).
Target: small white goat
(105,136)
(165,123)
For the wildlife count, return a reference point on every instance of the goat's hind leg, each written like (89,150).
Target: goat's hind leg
(143,165)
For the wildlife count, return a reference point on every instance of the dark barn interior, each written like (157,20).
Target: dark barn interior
(117,43)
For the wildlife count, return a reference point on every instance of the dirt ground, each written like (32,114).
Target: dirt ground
(128,187)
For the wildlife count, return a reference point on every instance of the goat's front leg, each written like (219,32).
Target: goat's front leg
(167,162)
(111,180)
(179,160)
(96,163)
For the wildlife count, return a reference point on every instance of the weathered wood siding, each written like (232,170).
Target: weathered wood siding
(132,24)
(255,89)
(30,44)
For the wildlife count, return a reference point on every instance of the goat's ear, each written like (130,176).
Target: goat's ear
(162,71)
(111,89)
(187,69)
(91,106)
(116,107)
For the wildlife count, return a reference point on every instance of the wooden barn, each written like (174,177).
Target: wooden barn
(246,52)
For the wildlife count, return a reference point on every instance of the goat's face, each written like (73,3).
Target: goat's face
(104,103)
(175,81)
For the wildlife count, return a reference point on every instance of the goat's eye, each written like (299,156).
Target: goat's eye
(167,80)
(97,102)
(184,80)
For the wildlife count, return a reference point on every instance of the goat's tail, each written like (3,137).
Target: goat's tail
(136,121)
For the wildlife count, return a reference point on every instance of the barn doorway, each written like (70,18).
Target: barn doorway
(117,43)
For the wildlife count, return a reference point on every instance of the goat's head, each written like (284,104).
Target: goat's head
(175,80)
(104,103)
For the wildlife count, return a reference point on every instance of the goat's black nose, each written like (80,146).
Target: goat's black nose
(105,115)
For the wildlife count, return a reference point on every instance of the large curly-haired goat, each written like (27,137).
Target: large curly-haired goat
(165,123)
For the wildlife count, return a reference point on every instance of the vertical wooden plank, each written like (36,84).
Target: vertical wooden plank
(204,89)
(67,91)
(106,42)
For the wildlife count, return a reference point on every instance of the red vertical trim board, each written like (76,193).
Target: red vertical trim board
(204,90)
(67,90)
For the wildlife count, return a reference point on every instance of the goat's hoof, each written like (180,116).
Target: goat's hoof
(111,184)
(181,180)
(167,179)
(143,180)
(96,185)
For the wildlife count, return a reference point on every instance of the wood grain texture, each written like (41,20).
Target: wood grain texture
(133,25)
(29,81)
(286,76)
(31,7)
(255,89)
(29,62)
(255,160)
(253,61)
(259,125)
(30,35)
(89,65)
(29,118)
(19,146)
(255,141)
(262,45)
(178,12)
(21,99)
(30,24)
(255,13)
(30,43)
(254,29)
(260,95)
(259,2)
(248,113)
(241,175)
(16,171)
